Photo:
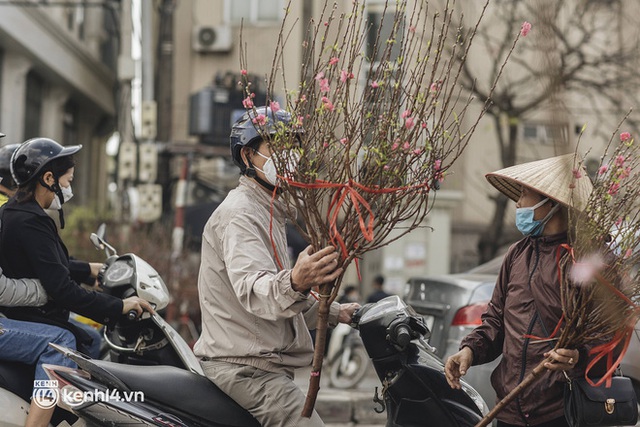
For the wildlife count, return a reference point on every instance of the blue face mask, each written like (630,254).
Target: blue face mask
(525,222)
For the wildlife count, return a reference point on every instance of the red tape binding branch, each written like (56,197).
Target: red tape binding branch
(623,336)
(344,191)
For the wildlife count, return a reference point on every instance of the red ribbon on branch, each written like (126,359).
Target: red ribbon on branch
(623,336)
(349,190)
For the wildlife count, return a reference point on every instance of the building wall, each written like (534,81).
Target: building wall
(63,47)
(472,208)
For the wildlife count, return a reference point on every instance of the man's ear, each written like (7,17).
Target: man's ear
(245,153)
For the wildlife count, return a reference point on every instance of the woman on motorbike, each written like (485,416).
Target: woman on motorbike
(30,246)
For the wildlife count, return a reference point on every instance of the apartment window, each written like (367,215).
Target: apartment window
(33,105)
(381,28)
(545,133)
(254,11)
(76,18)
(70,123)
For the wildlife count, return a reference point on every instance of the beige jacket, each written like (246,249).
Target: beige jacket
(250,313)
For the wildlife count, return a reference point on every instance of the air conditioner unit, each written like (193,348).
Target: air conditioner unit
(210,38)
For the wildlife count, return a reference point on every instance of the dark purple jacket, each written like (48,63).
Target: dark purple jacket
(525,301)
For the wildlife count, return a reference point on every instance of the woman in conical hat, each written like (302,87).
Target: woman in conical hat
(526,307)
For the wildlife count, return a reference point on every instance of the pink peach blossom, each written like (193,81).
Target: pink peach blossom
(326,103)
(417,151)
(620,161)
(405,114)
(395,145)
(585,270)
(603,169)
(613,189)
(333,61)
(526,27)
(374,84)
(576,173)
(437,164)
(409,123)
(260,120)
(385,167)
(406,146)
(628,253)
(275,106)
(243,72)
(625,136)
(624,172)
(247,102)
(319,76)
(344,141)
(345,75)
(324,86)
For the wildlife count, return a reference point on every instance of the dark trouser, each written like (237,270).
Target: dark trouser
(558,422)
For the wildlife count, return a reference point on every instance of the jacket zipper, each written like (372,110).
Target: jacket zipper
(529,331)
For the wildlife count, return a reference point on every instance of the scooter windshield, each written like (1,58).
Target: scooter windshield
(392,304)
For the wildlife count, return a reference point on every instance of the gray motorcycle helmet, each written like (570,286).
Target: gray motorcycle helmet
(32,155)
(6,152)
(244,132)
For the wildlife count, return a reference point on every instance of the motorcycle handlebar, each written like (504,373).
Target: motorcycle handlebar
(132,315)
(402,335)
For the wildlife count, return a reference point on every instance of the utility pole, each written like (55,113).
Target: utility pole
(164,91)
(127,157)
(165,71)
(149,192)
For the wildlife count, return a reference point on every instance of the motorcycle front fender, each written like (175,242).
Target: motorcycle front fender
(181,347)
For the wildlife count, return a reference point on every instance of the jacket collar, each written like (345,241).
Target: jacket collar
(30,206)
(551,239)
(263,196)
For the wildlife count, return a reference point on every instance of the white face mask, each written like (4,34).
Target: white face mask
(269,168)
(67,194)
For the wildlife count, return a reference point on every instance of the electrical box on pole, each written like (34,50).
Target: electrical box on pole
(148,120)
(149,202)
(127,161)
(148,162)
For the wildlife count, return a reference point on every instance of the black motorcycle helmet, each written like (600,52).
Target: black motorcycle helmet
(5,165)
(245,133)
(32,155)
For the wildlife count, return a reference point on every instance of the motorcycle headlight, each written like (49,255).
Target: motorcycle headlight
(475,396)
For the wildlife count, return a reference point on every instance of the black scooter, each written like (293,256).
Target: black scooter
(414,390)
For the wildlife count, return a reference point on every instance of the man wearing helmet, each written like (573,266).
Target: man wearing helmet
(7,185)
(31,247)
(526,301)
(15,292)
(256,315)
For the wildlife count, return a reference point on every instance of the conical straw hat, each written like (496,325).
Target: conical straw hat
(558,178)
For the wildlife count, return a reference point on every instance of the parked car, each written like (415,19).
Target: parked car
(452,305)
